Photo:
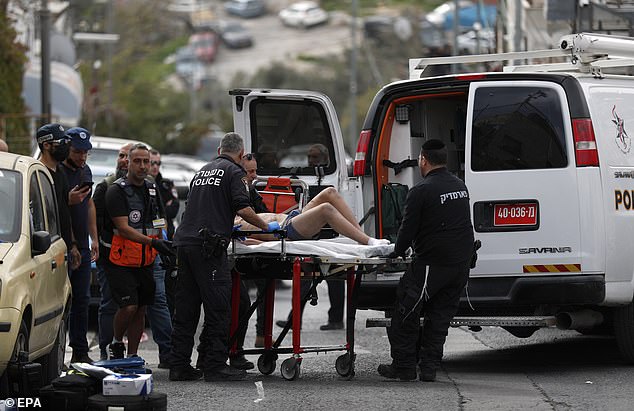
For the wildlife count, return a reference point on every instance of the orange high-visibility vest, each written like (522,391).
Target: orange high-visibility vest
(143,210)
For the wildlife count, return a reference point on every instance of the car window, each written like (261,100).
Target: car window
(517,128)
(36,206)
(291,137)
(103,157)
(51,206)
(10,205)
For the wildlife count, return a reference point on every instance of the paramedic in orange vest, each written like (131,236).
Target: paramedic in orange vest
(135,208)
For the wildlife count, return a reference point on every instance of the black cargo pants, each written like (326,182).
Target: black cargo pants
(438,303)
(207,281)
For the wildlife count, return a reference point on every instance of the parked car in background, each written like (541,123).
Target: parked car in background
(204,45)
(480,42)
(234,35)
(180,169)
(303,14)
(34,286)
(245,8)
(438,15)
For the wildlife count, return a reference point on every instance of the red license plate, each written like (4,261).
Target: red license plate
(515,214)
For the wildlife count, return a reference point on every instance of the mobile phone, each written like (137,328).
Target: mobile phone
(85,184)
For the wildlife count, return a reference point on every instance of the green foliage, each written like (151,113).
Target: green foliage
(13,125)
(145,106)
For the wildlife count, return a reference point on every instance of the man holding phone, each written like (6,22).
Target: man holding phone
(84,224)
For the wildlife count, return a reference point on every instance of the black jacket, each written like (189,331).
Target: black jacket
(437,220)
(216,193)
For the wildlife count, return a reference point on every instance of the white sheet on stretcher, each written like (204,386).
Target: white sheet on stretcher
(339,247)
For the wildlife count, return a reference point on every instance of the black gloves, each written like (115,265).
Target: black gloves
(163,246)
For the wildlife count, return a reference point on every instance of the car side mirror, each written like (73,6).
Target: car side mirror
(41,242)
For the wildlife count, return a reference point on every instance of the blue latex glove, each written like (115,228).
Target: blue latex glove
(237,228)
(273,225)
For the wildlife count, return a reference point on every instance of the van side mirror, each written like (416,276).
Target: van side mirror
(41,242)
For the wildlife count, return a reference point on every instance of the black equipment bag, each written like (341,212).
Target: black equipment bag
(70,392)
(155,401)
(25,378)
(393,197)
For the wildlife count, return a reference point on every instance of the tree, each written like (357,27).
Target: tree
(13,125)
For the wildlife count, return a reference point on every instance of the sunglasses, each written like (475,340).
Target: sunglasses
(155,163)
(249,156)
(61,141)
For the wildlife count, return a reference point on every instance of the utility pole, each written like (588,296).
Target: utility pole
(456,27)
(45,59)
(109,29)
(353,72)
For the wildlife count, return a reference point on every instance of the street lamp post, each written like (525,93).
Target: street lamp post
(45,53)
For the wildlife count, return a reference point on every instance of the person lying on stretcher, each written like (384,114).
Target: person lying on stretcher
(327,207)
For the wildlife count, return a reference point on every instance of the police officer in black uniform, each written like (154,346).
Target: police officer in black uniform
(217,193)
(437,225)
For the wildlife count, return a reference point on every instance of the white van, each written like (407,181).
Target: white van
(546,153)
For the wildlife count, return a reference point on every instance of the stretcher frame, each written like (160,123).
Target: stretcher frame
(350,270)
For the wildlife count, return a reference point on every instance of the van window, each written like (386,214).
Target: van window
(517,128)
(51,206)
(291,138)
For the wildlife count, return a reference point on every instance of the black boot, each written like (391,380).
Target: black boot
(393,372)
(185,373)
(427,374)
(332,326)
(241,363)
(225,373)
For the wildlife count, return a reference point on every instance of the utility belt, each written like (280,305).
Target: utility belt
(214,245)
(128,253)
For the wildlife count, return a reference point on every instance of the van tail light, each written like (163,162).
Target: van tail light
(362,153)
(586,152)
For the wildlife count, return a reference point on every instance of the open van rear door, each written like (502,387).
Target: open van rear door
(521,173)
(287,129)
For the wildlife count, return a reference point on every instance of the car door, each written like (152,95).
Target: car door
(38,269)
(56,278)
(281,126)
(522,178)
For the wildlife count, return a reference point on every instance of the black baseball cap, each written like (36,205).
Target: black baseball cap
(51,132)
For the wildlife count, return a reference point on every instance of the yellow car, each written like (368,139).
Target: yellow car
(35,291)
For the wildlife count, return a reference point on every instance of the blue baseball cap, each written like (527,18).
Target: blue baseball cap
(79,138)
(51,132)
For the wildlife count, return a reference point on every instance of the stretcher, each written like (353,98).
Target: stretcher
(316,260)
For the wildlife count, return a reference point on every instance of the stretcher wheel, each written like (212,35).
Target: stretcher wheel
(266,363)
(344,365)
(290,369)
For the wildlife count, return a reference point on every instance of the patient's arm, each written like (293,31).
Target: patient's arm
(267,217)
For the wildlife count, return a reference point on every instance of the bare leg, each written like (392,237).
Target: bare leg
(135,330)
(122,320)
(332,196)
(311,221)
